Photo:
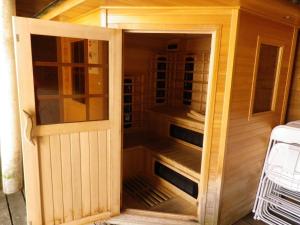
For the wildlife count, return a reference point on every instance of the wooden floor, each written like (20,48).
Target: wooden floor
(12,211)
(248,220)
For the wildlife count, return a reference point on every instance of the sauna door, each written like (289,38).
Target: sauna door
(69,83)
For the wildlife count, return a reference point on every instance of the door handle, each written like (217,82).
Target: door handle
(28,127)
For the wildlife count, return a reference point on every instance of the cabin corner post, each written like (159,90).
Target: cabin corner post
(115,151)
(234,26)
(11,157)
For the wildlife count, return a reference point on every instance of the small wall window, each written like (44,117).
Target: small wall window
(267,67)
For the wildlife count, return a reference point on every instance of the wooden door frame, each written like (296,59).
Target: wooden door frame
(23,27)
(215,32)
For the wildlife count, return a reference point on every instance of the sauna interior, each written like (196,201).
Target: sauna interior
(165,86)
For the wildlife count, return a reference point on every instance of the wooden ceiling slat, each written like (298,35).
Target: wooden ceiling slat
(28,8)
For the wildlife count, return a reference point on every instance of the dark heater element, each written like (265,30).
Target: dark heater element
(183,183)
(186,135)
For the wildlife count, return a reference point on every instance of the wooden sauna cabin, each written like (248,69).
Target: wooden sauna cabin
(161,109)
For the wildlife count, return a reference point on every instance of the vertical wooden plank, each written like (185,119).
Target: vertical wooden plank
(65,147)
(17,208)
(85,174)
(103,193)
(26,102)
(94,171)
(115,115)
(4,213)
(56,179)
(46,180)
(76,175)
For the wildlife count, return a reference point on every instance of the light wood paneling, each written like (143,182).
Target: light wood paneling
(103,143)
(76,175)
(66,165)
(294,99)
(62,159)
(77,190)
(46,179)
(248,137)
(57,188)
(94,171)
(85,173)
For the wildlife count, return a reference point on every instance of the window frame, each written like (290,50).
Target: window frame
(267,41)
(60,64)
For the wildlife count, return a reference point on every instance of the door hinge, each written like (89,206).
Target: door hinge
(17,37)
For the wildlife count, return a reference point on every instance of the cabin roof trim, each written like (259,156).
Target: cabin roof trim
(279,10)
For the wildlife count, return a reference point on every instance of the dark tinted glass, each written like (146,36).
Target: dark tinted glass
(45,80)
(265,79)
(44,48)
(77,49)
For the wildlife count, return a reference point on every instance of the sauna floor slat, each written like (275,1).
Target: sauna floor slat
(145,196)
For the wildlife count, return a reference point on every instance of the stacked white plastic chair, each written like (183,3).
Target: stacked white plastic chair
(278,197)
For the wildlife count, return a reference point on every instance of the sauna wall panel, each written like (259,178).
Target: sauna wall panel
(294,99)
(133,162)
(139,51)
(196,47)
(73,175)
(248,136)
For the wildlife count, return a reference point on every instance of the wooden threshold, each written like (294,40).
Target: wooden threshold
(13,212)
(144,218)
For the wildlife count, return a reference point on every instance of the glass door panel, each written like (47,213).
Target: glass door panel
(71,73)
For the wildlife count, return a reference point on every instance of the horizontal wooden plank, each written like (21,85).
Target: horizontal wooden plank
(65,128)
